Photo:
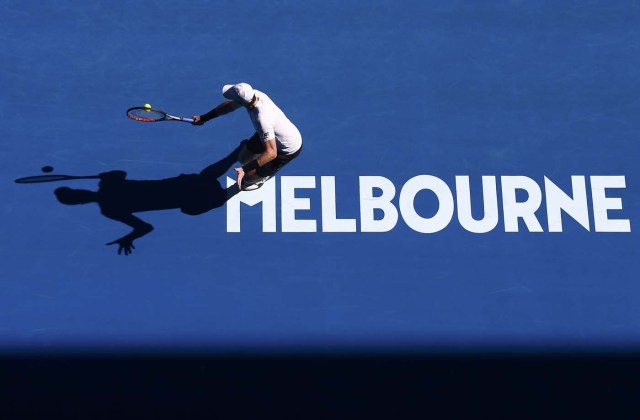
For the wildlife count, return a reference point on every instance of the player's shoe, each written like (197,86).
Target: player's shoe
(255,185)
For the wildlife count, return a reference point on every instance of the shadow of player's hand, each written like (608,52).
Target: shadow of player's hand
(125,245)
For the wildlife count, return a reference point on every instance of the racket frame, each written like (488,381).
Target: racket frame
(166,117)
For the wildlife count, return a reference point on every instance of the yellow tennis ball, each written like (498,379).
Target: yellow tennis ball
(148,107)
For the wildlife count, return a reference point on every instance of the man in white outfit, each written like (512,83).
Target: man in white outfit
(275,143)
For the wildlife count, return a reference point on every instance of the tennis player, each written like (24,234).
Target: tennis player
(275,143)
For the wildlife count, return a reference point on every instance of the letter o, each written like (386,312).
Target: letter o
(445,209)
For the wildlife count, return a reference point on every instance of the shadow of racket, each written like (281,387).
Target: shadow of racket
(51,178)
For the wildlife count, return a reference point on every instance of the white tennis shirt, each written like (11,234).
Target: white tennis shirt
(270,122)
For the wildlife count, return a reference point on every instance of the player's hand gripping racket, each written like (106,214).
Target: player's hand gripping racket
(148,114)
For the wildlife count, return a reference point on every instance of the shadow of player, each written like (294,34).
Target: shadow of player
(119,198)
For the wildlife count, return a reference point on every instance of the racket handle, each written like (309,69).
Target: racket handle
(176,118)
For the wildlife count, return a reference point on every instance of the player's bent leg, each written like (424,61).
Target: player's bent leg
(267,171)
(252,148)
(245,156)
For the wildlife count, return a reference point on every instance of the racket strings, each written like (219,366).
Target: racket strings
(144,114)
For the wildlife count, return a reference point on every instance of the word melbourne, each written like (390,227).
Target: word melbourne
(520,206)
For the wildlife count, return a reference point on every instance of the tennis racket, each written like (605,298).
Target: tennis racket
(51,178)
(143,114)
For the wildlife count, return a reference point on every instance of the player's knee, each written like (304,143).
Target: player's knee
(245,156)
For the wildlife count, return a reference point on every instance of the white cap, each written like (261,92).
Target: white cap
(241,93)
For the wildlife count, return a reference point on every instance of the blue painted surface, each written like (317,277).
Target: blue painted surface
(395,89)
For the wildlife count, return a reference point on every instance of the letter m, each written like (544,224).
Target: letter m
(265,195)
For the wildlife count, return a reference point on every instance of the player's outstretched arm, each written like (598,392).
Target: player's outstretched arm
(222,109)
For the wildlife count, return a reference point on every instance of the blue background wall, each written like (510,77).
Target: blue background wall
(395,89)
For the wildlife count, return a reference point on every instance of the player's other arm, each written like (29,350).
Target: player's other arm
(140,228)
(270,153)
(250,169)
(222,109)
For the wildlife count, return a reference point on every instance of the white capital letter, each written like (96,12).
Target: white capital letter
(330,222)
(266,195)
(490,200)
(575,207)
(525,209)
(368,203)
(290,203)
(602,203)
(445,209)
